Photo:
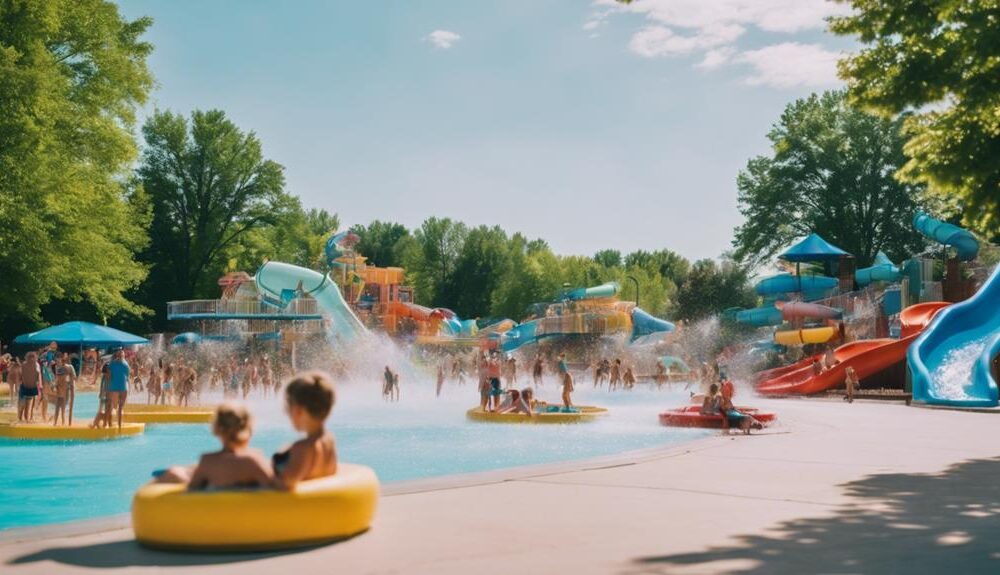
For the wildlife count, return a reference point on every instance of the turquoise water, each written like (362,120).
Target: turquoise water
(421,436)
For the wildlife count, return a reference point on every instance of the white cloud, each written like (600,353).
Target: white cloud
(653,41)
(442,39)
(717,57)
(712,29)
(790,65)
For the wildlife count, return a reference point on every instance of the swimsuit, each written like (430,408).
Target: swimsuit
(495,388)
(119,376)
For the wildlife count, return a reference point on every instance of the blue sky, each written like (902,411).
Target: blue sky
(587,124)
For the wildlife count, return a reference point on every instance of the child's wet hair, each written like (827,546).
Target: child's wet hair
(232,422)
(313,391)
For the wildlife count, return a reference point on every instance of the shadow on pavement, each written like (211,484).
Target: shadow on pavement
(130,554)
(894,523)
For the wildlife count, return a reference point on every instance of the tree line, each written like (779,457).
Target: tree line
(95,226)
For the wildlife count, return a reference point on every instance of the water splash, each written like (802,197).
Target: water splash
(954,374)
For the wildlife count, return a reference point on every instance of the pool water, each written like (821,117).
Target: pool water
(421,436)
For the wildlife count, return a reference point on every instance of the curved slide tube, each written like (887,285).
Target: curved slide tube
(643,323)
(760,316)
(804,336)
(609,289)
(281,281)
(943,359)
(518,335)
(965,244)
(788,283)
(867,357)
(802,310)
(881,270)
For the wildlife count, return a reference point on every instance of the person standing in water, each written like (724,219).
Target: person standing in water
(536,370)
(31,383)
(850,383)
(567,390)
(615,378)
(65,382)
(118,384)
(440,380)
(14,379)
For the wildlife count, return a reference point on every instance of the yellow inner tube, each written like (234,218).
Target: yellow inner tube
(168,516)
(804,336)
(76,432)
(168,416)
(586,413)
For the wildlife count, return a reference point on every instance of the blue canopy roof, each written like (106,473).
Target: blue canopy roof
(80,333)
(813,249)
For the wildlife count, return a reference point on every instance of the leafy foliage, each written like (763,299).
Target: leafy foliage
(209,185)
(830,172)
(72,73)
(941,59)
(710,288)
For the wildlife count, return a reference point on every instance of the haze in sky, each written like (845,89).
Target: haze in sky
(590,125)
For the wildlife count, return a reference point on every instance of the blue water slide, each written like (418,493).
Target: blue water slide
(518,336)
(881,270)
(604,290)
(965,244)
(950,361)
(788,283)
(760,316)
(281,282)
(643,323)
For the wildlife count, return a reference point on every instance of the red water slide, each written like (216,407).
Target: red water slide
(867,357)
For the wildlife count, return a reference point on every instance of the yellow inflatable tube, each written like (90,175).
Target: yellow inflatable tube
(76,432)
(320,510)
(168,416)
(804,336)
(586,413)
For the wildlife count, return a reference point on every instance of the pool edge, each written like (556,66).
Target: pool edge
(119,521)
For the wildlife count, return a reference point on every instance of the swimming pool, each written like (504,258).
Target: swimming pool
(421,436)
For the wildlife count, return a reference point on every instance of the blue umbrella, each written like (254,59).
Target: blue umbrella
(80,333)
(813,248)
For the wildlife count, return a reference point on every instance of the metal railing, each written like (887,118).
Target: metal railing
(240,308)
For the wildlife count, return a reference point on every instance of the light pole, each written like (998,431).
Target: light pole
(636,282)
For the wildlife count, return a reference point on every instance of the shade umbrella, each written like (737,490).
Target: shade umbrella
(812,248)
(80,333)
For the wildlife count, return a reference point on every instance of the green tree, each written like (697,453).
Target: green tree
(830,172)
(431,256)
(532,276)
(668,264)
(711,288)
(298,236)
(482,262)
(72,73)
(608,258)
(379,241)
(942,59)
(209,185)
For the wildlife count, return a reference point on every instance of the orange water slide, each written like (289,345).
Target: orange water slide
(867,357)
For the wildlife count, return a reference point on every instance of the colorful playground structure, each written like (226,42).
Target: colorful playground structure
(950,350)
(286,303)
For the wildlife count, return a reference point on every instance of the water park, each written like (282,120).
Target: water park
(212,361)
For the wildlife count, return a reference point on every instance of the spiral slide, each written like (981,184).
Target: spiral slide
(867,357)
(965,244)
(950,363)
(281,282)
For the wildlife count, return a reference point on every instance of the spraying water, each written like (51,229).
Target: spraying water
(954,374)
